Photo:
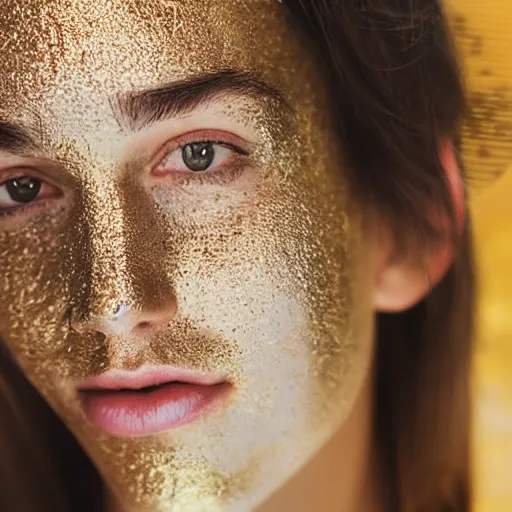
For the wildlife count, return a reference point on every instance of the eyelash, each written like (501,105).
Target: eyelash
(224,175)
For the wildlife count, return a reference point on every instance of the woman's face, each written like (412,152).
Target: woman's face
(174,208)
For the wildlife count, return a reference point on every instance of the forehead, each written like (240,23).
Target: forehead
(88,51)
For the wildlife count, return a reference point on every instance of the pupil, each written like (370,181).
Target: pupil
(23,190)
(198,156)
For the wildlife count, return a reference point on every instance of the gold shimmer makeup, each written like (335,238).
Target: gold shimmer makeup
(182,276)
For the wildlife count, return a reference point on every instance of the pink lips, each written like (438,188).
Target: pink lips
(149,400)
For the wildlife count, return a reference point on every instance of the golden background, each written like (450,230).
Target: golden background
(492,212)
(485,38)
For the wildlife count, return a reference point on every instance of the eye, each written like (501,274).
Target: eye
(200,156)
(23,190)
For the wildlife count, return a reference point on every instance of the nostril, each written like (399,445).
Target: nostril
(144,327)
(77,326)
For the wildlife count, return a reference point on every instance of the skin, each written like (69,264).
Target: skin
(258,273)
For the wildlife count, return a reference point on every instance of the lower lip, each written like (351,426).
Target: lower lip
(138,413)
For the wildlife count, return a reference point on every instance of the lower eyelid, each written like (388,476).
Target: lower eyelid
(224,175)
(12,211)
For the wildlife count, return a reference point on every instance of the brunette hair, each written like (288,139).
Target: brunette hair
(396,91)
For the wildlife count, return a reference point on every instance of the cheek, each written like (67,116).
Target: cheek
(38,285)
(278,282)
(33,288)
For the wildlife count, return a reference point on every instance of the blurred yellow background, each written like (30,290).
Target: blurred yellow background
(485,39)
(492,213)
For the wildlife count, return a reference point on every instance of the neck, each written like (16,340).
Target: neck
(344,476)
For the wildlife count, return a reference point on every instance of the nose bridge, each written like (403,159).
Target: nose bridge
(105,281)
(123,257)
(150,253)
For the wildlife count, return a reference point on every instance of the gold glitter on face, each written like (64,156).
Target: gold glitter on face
(254,271)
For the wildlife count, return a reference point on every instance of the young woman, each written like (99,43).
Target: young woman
(236,268)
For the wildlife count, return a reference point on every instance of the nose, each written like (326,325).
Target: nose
(121,278)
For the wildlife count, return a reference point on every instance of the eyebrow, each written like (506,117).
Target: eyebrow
(15,139)
(136,110)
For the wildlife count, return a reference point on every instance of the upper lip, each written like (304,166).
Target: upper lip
(144,377)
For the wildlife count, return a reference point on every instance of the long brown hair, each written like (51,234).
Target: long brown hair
(396,92)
